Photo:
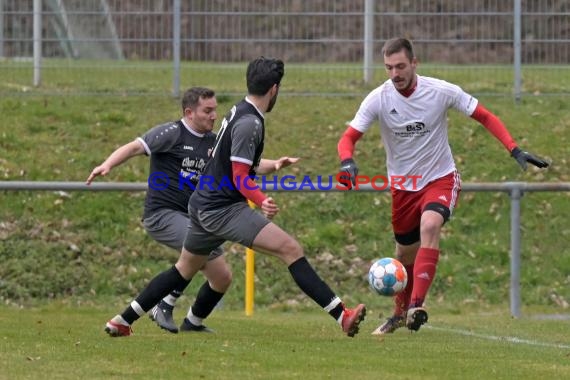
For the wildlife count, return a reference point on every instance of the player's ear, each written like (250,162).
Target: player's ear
(414,62)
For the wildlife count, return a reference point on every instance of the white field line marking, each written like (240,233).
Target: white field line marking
(508,339)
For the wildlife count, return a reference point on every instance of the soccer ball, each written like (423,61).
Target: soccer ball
(387,276)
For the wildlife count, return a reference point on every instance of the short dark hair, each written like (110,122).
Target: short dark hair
(396,45)
(192,96)
(263,73)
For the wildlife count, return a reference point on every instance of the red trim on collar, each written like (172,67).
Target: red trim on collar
(407,93)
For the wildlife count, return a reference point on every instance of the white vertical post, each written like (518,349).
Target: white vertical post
(516,194)
(368,41)
(517,14)
(113,30)
(1,28)
(37,43)
(176,48)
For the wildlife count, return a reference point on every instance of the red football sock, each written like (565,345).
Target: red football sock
(402,299)
(424,273)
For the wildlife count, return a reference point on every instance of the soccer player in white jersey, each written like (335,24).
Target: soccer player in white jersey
(412,111)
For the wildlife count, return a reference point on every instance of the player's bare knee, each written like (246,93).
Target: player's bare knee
(290,250)
(189,264)
(224,280)
(184,269)
(430,228)
(218,273)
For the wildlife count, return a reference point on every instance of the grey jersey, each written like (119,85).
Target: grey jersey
(240,139)
(175,153)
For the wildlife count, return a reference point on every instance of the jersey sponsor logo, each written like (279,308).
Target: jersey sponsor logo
(193,164)
(412,129)
(188,147)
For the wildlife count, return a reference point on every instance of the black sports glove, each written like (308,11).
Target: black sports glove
(523,157)
(348,172)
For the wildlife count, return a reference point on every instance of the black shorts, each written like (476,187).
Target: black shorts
(170,227)
(210,228)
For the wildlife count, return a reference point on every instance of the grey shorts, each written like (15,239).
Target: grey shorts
(169,227)
(237,223)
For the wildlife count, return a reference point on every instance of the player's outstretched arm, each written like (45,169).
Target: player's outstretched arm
(267,166)
(122,154)
(497,128)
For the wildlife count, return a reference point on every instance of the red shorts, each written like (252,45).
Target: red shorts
(440,195)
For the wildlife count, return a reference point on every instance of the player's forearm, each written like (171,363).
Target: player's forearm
(347,142)
(123,153)
(266,166)
(494,125)
(245,185)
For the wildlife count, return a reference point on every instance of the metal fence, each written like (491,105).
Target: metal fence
(487,46)
(515,190)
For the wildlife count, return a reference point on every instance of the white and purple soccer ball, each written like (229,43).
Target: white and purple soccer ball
(387,276)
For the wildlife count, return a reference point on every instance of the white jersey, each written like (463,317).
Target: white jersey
(414,129)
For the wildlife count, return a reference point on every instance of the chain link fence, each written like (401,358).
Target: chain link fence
(487,46)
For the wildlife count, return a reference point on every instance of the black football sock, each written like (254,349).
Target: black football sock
(313,286)
(206,301)
(157,288)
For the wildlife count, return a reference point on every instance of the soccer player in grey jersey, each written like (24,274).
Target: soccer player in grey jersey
(220,212)
(178,152)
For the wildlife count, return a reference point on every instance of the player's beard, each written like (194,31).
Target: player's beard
(402,85)
(406,84)
(204,127)
(272,103)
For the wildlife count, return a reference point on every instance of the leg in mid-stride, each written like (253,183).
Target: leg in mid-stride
(262,235)
(169,227)
(219,278)
(275,241)
(159,287)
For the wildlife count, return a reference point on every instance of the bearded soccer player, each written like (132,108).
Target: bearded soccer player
(178,148)
(412,112)
(219,210)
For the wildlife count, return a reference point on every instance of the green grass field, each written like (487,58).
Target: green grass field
(70,261)
(61,341)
